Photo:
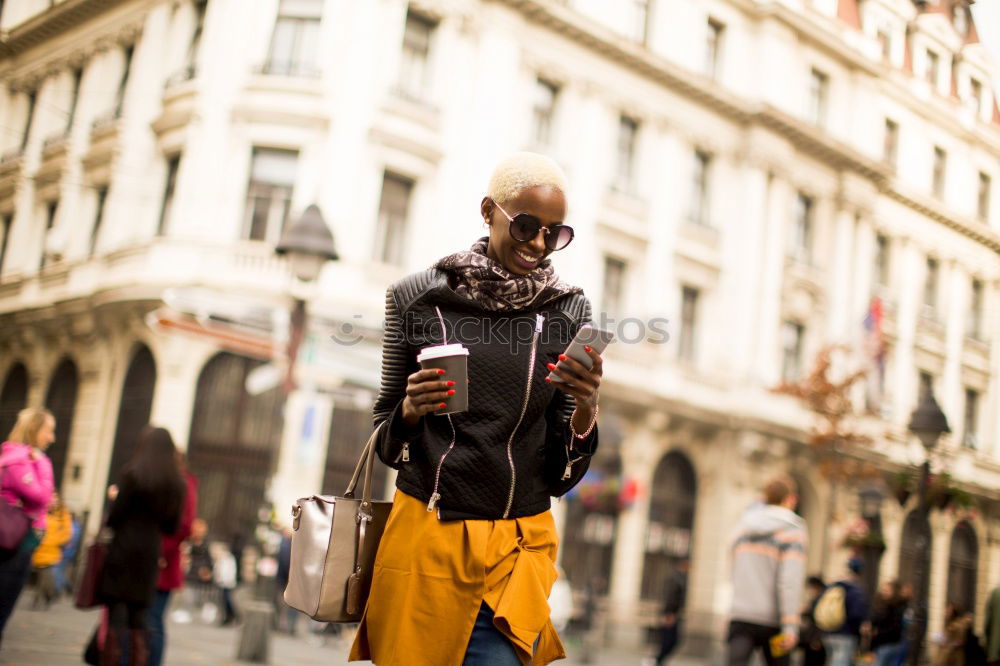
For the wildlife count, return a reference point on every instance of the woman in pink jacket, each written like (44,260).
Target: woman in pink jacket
(25,481)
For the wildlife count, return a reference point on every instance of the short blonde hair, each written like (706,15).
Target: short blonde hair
(29,422)
(523,170)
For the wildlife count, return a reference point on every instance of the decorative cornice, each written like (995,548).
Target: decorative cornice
(52,22)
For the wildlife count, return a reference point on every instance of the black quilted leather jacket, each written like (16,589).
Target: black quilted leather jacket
(503,464)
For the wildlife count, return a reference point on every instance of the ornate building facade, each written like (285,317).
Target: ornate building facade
(768,175)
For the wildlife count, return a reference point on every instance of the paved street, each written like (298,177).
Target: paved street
(56,638)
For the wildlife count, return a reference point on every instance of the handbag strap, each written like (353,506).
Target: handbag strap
(366,462)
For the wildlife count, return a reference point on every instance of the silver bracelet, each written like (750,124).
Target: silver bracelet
(590,428)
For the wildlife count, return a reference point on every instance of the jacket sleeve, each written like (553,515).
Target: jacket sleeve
(120,505)
(397,365)
(791,576)
(32,481)
(562,447)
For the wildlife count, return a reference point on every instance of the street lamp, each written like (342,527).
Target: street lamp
(870,499)
(928,423)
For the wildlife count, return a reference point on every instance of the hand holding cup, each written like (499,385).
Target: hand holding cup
(426,392)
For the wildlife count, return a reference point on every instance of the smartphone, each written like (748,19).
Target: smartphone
(590,336)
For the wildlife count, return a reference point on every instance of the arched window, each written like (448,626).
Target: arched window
(350,428)
(233,443)
(963,562)
(592,523)
(671,519)
(13,398)
(61,400)
(133,410)
(916,539)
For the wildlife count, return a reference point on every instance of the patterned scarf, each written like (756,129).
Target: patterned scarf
(481,279)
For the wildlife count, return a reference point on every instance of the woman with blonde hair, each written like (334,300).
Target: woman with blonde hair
(467,560)
(25,481)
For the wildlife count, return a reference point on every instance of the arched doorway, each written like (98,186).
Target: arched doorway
(592,509)
(963,563)
(232,445)
(671,520)
(13,398)
(61,400)
(350,428)
(916,540)
(133,409)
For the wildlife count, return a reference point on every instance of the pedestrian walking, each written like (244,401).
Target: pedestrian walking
(810,636)
(199,586)
(957,625)
(25,481)
(48,555)
(467,559)
(171,577)
(674,601)
(842,643)
(888,612)
(148,504)
(285,617)
(768,564)
(224,576)
(68,555)
(991,628)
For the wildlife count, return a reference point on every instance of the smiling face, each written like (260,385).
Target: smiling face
(546,203)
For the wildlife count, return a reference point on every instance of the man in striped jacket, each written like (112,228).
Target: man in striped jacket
(769,558)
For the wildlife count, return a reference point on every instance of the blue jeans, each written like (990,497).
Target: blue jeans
(487,645)
(157,630)
(840,649)
(890,654)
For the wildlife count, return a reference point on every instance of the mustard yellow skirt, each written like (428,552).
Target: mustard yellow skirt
(431,577)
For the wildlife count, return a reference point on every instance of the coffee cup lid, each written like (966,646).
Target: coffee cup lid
(441,351)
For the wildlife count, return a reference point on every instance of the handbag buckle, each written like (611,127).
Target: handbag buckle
(296,515)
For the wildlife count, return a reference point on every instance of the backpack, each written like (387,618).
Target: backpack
(831,610)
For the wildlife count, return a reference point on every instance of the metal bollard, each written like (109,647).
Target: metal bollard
(258,619)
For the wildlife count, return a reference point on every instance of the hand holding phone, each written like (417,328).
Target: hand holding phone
(588,336)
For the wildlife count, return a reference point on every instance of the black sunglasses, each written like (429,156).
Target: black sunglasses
(523,228)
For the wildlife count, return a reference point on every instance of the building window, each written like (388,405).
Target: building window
(296,39)
(628,131)
(983,203)
(173,162)
(881,271)
(689,324)
(544,111)
(802,230)
(32,98)
(925,385)
(191,59)
(269,194)
(974,326)
(885,43)
(976,94)
(642,11)
(931,284)
(74,97)
(51,209)
(414,67)
(792,341)
(940,164)
(932,65)
(6,224)
(970,419)
(95,231)
(698,212)
(713,48)
(890,142)
(613,295)
(819,84)
(123,82)
(393,211)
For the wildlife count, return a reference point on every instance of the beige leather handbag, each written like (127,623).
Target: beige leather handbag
(334,542)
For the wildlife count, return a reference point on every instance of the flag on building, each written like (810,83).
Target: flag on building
(874,347)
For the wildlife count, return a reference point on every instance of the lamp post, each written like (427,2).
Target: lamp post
(928,423)
(870,498)
(308,244)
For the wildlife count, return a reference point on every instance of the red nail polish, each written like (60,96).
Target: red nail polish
(562,357)
(451,384)
(440,372)
(442,405)
(548,380)
(550,366)
(585,348)
(451,393)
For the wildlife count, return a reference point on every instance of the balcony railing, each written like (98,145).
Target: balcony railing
(292,69)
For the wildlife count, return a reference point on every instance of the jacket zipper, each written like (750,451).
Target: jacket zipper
(435,495)
(539,320)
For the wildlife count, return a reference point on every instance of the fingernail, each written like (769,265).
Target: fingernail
(450,384)
(451,393)
(550,366)
(548,380)
(440,372)
(562,357)
(586,348)
(442,405)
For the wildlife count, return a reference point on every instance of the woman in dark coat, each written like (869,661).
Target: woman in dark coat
(147,506)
